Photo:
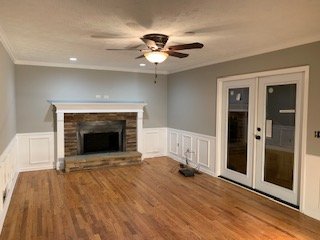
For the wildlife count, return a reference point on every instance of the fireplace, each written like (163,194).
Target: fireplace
(70,114)
(101,136)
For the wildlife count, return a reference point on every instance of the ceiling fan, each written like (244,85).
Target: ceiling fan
(156,51)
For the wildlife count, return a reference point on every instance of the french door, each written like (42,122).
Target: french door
(261,133)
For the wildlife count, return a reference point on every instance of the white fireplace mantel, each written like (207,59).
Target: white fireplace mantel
(97,107)
(93,107)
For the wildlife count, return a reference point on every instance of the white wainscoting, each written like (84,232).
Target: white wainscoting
(311,201)
(36,151)
(201,148)
(8,177)
(154,142)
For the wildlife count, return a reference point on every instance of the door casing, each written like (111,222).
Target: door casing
(304,110)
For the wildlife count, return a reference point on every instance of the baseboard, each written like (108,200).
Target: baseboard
(191,164)
(8,201)
(30,169)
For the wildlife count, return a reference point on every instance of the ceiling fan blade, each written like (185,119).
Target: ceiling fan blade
(141,56)
(177,54)
(150,43)
(186,46)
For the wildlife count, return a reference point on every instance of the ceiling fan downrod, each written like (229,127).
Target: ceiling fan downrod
(155,73)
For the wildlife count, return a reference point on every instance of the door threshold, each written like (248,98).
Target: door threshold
(262,193)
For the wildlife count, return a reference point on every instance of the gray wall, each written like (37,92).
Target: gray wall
(35,85)
(192,93)
(7,100)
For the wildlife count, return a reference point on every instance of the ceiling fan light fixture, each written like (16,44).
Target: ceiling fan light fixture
(156,56)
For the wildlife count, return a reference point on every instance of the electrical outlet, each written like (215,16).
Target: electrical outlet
(106,97)
(317,134)
(98,96)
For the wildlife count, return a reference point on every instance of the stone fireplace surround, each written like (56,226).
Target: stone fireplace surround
(71,121)
(67,111)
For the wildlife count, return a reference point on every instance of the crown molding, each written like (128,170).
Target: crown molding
(6,45)
(291,44)
(80,66)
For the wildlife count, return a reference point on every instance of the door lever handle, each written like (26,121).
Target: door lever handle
(257,137)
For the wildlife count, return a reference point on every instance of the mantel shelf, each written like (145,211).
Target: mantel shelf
(96,107)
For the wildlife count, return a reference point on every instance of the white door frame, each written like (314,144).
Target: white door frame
(305,88)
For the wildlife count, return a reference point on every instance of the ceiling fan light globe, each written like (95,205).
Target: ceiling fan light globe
(156,57)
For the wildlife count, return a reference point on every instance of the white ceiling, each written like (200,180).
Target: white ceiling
(44,32)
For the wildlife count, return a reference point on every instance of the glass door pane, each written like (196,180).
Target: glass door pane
(237,143)
(280,135)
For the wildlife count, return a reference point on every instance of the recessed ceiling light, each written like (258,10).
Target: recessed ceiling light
(73,59)
(142,64)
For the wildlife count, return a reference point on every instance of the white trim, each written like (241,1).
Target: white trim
(304,122)
(8,156)
(265,73)
(31,169)
(179,154)
(33,133)
(7,46)
(97,107)
(154,142)
(183,140)
(30,158)
(254,53)
(199,139)
(305,85)
(192,164)
(7,201)
(176,151)
(82,66)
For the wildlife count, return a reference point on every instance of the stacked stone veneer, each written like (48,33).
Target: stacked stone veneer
(72,119)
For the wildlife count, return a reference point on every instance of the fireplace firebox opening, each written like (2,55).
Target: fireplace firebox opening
(101,137)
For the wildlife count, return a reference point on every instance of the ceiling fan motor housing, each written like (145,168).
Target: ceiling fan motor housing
(159,39)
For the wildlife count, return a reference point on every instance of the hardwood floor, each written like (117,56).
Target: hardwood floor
(150,201)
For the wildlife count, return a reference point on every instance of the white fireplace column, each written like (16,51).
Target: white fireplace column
(60,141)
(69,107)
(139,132)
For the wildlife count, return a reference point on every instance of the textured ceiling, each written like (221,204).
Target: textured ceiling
(45,32)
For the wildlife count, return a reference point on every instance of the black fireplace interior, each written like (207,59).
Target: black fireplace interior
(101,142)
(101,137)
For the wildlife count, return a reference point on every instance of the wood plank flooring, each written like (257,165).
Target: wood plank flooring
(149,201)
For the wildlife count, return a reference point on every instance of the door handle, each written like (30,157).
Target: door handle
(257,137)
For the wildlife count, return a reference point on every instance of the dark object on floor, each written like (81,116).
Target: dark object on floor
(187,172)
